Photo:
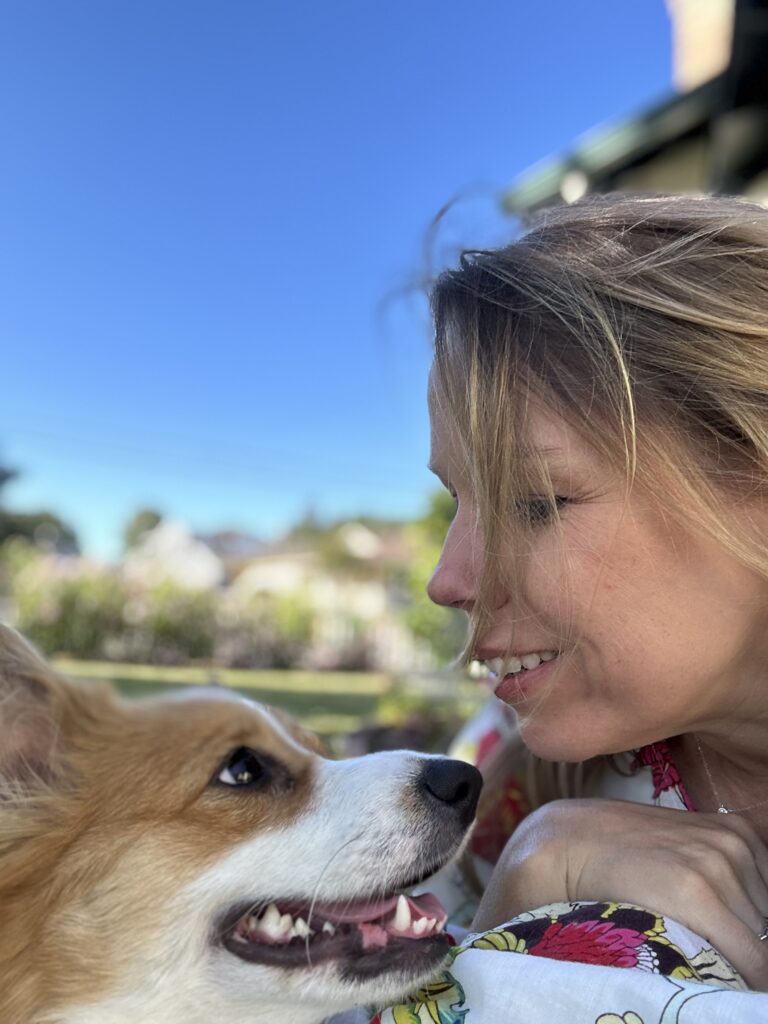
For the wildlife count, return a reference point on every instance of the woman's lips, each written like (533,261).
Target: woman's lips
(514,689)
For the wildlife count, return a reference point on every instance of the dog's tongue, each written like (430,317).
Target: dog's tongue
(425,905)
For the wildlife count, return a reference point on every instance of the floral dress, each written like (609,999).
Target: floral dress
(579,962)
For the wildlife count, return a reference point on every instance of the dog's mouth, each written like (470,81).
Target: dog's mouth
(369,937)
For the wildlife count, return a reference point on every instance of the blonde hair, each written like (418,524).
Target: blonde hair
(642,321)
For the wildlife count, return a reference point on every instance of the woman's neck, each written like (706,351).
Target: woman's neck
(721,775)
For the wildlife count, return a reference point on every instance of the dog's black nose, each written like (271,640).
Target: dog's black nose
(452,783)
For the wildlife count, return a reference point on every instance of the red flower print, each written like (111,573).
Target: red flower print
(590,942)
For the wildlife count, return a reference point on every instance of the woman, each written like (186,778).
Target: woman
(599,408)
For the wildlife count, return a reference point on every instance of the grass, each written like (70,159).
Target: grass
(330,703)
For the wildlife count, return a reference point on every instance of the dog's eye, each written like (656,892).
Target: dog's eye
(242,768)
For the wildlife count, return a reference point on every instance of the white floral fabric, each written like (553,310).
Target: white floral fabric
(579,962)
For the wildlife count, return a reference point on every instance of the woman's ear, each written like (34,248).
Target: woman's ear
(31,702)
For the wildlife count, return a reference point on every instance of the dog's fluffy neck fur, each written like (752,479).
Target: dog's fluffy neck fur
(39,822)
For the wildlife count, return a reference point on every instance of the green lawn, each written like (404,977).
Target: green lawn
(331,703)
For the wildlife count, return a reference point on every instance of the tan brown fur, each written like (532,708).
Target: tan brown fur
(93,783)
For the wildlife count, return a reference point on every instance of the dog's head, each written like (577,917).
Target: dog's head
(194,858)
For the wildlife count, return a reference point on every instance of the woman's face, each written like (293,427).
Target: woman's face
(670,632)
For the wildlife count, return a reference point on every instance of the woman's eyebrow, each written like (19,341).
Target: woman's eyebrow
(553,454)
(534,449)
(561,462)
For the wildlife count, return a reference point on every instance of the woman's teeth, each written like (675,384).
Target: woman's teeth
(502,667)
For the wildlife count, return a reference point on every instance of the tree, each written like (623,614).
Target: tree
(141,522)
(44,529)
(6,475)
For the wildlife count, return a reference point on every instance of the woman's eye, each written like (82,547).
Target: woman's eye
(242,768)
(539,511)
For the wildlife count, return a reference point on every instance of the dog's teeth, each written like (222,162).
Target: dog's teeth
(420,926)
(301,928)
(272,931)
(402,919)
(273,924)
(328,928)
(270,917)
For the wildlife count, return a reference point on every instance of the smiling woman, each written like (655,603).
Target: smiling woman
(612,583)
(599,409)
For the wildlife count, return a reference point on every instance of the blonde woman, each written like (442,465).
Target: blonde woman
(599,409)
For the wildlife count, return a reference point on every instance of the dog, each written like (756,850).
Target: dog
(194,859)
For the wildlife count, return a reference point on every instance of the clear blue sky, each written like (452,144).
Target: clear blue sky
(204,205)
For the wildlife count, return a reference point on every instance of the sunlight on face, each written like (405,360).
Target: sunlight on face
(671,629)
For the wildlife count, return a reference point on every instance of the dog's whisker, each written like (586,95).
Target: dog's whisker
(313,901)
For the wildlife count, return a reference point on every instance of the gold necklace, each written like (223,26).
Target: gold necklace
(723,808)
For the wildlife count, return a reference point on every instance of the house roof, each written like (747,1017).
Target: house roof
(615,146)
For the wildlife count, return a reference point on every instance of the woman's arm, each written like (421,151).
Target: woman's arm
(708,871)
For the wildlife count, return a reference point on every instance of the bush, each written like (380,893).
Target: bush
(76,614)
(167,625)
(265,631)
(67,606)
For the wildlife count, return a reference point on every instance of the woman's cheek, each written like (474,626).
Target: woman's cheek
(566,578)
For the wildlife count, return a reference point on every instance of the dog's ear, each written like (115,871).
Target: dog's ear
(31,700)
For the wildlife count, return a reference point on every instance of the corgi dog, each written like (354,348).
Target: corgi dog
(194,859)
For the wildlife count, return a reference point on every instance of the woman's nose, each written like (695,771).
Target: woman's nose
(454,581)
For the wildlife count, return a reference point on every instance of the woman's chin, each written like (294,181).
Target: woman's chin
(553,742)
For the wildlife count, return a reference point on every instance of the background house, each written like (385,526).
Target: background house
(712,135)
(351,579)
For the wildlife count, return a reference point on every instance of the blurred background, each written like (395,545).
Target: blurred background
(216,222)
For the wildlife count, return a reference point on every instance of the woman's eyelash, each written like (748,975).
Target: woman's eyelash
(538,511)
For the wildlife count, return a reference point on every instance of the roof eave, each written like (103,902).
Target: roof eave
(611,147)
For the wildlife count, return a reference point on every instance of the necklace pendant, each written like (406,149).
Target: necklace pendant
(722,809)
